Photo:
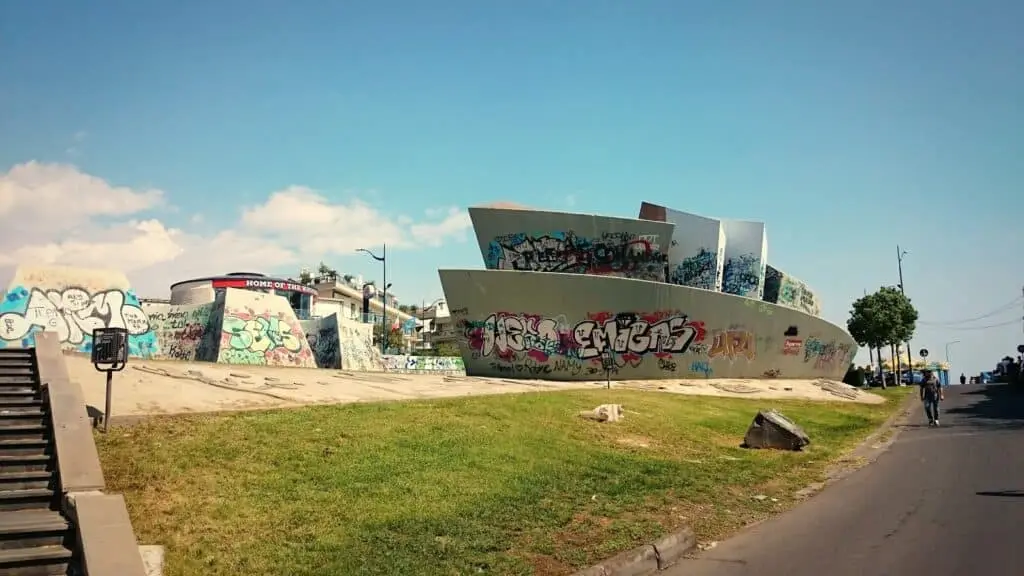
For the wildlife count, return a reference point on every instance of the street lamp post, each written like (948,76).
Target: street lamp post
(910,359)
(383,259)
(948,344)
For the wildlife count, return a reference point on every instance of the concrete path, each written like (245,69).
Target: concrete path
(947,501)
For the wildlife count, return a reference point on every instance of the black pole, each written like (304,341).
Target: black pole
(384,302)
(910,357)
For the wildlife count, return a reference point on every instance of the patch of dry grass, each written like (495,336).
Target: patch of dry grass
(510,485)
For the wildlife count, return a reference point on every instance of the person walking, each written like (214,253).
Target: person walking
(931,395)
(963,379)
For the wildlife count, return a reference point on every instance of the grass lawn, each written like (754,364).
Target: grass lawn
(510,484)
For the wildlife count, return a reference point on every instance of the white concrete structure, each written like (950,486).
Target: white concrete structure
(697,254)
(746,255)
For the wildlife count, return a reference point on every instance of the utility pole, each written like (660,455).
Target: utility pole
(871,353)
(910,359)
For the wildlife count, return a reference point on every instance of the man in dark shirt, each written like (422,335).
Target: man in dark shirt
(931,394)
(963,379)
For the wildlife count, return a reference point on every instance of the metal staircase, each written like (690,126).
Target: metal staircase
(35,537)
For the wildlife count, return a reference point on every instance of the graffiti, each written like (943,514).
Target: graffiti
(701,367)
(73,313)
(742,275)
(697,271)
(792,346)
(185,333)
(325,343)
(612,254)
(251,338)
(423,363)
(733,344)
(357,349)
(630,336)
(666,365)
(772,373)
(828,355)
(527,367)
(630,333)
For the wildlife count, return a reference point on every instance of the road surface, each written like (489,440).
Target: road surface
(945,501)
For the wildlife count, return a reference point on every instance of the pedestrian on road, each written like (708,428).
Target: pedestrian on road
(931,394)
(963,379)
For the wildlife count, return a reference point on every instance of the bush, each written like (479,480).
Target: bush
(855,376)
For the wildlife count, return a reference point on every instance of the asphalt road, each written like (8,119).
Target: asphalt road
(945,501)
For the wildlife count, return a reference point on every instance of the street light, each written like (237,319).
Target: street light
(948,344)
(383,259)
(910,359)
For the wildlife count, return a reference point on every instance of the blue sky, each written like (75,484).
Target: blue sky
(848,127)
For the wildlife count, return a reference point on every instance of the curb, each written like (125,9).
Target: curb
(867,451)
(663,553)
(646,559)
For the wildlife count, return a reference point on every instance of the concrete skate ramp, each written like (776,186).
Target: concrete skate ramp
(261,329)
(73,302)
(556,326)
(322,334)
(188,333)
(535,240)
(357,349)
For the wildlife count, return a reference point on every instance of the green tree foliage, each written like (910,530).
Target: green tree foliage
(884,318)
(446,349)
(396,342)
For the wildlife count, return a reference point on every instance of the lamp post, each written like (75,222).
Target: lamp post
(910,360)
(948,344)
(383,259)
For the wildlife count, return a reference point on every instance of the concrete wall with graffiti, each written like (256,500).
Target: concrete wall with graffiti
(261,329)
(73,302)
(572,243)
(420,364)
(188,333)
(746,255)
(696,256)
(785,290)
(557,326)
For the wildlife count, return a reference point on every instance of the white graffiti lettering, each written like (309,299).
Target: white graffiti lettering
(625,335)
(73,314)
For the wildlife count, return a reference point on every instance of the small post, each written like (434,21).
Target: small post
(109,354)
(608,363)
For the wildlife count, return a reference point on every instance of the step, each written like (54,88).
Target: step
(24,499)
(24,400)
(16,419)
(22,381)
(26,480)
(31,528)
(25,463)
(21,430)
(38,445)
(15,392)
(35,561)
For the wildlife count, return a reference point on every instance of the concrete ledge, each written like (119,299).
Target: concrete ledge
(78,462)
(646,559)
(105,536)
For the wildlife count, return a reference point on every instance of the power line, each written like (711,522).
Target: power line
(1007,323)
(1002,308)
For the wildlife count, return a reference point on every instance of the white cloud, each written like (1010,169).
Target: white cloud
(56,214)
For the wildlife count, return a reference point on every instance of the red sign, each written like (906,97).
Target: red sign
(262,284)
(792,346)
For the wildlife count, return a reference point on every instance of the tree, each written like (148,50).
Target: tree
(395,339)
(884,318)
(446,349)
(305,278)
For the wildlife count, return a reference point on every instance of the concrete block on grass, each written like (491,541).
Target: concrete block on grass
(671,548)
